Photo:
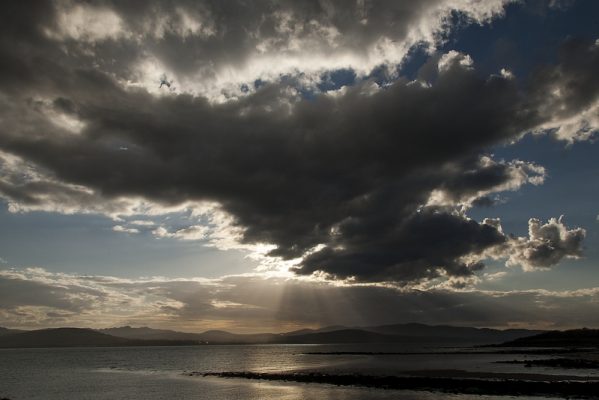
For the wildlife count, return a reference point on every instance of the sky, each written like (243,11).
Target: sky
(275,165)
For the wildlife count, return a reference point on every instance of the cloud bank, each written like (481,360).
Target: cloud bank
(34,298)
(366,183)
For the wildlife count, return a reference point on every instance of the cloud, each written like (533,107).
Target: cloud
(369,182)
(242,41)
(139,222)
(87,23)
(546,244)
(451,58)
(567,93)
(35,298)
(120,228)
(573,128)
(489,176)
(423,245)
(194,232)
(18,291)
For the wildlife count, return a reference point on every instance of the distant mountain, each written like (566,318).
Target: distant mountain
(227,337)
(326,335)
(307,331)
(208,337)
(144,336)
(76,337)
(341,336)
(6,331)
(399,333)
(447,333)
(299,332)
(409,333)
(307,336)
(146,333)
(570,338)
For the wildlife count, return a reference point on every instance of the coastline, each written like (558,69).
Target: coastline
(460,382)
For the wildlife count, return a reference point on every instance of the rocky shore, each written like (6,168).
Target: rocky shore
(564,363)
(477,386)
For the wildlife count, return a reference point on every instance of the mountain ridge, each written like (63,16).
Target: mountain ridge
(76,337)
(140,336)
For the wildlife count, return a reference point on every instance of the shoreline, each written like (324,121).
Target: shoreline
(563,363)
(501,386)
(466,351)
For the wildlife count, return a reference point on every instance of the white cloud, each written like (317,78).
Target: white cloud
(139,222)
(572,128)
(87,23)
(120,228)
(546,244)
(506,73)
(183,22)
(452,58)
(192,232)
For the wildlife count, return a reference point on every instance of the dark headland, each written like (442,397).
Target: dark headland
(570,338)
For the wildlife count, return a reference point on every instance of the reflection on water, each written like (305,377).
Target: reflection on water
(157,372)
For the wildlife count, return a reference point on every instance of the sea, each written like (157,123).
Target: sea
(152,373)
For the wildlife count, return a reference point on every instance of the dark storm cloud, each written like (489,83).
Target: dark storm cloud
(404,250)
(352,171)
(203,41)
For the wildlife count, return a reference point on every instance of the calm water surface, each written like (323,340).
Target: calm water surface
(150,373)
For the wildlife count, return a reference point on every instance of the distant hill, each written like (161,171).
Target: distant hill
(399,333)
(308,331)
(146,333)
(129,336)
(6,331)
(208,337)
(341,336)
(570,338)
(449,333)
(409,333)
(227,337)
(307,336)
(76,337)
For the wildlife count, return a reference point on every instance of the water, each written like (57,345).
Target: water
(151,373)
